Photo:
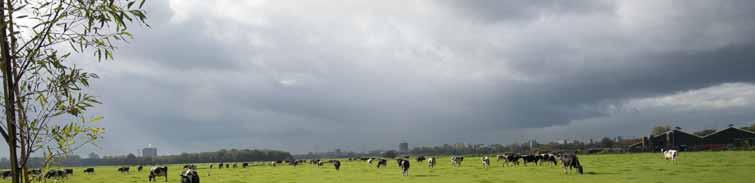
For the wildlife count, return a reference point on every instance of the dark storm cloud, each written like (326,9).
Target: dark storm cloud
(361,76)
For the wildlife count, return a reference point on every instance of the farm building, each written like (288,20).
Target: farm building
(670,139)
(729,137)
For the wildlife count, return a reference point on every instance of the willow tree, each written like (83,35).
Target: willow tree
(43,98)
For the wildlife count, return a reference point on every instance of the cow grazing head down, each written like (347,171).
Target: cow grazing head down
(189,176)
(158,172)
(404,164)
(571,161)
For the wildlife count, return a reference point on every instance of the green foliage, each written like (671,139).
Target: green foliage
(390,154)
(658,130)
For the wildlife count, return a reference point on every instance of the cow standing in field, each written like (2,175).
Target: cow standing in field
(68,171)
(456,160)
(382,162)
(244,165)
(670,154)
(55,174)
(5,174)
(431,162)
(530,159)
(369,161)
(89,171)
(337,164)
(549,158)
(220,166)
(420,159)
(404,164)
(485,162)
(189,174)
(123,169)
(158,172)
(570,161)
(139,168)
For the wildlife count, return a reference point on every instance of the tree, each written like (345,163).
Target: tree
(705,132)
(93,155)
(606,142)
(660,129)
(43,101)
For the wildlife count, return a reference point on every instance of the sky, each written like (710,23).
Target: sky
(312,76)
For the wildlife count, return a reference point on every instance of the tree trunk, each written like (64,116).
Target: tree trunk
(8,90)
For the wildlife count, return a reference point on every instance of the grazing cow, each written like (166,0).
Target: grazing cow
(421,158)
(529,159)
(244,165)
(337,164)
(456,160)
(369,161)
(190,166)
(382,162)
(513,159)
(139,168)
(158,171)
(364,159)
(670,154)
(68,171)
(5,174)
(227,165)
(89,171)
(220,166)
(549,158)
(404,164)
(124,169)
(570,161)
(210,165)
(189,176)
(431,162)
(485,161)
(55,174)
(235,165)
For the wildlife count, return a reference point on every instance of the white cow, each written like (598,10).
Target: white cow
(670,154)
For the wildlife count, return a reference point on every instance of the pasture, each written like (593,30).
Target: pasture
(704,167)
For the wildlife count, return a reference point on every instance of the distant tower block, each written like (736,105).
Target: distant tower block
(149,151)
(403,147)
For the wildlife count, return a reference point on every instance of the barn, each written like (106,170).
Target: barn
(729,137)
(676,139)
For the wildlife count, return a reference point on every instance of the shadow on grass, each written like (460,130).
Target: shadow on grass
(601,173)
(426,175)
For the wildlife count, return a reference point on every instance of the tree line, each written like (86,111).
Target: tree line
(230,155)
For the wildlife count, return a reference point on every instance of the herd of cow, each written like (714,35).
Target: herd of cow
(189,174)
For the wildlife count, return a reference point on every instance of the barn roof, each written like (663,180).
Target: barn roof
(729,129)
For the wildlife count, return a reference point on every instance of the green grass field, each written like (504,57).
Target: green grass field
(703,167)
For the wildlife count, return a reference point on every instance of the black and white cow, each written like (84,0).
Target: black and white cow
(456,160)
(485,161)
(337,164)
(89,171)
(55,174)
(139,168)
(530,159)
(68,171)
(220,165)
(431,162)
(158,171)
(570,161)
(124,169)
(244,165)
(420,159)
(5,174)
(189,176)
(545,158)
(670,154)
(382,162)
(404,164)
(369,160)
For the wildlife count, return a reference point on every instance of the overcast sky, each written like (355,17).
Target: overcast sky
(309,76)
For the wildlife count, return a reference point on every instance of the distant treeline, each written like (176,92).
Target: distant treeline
(232,155)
